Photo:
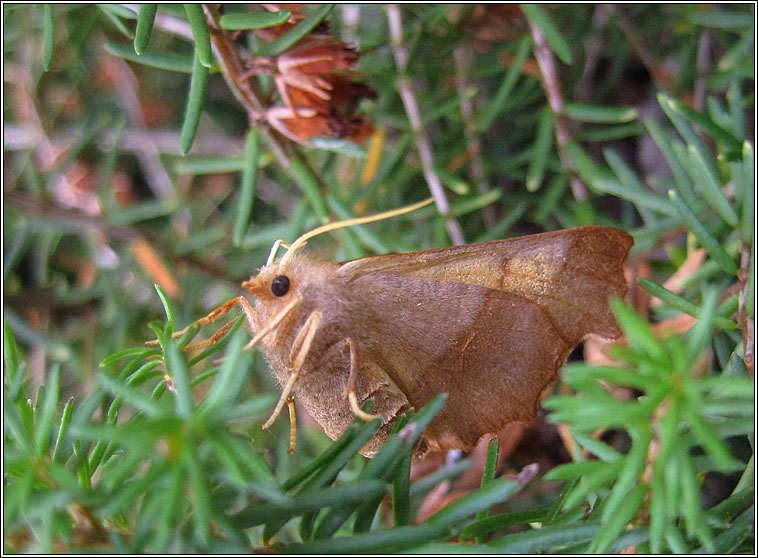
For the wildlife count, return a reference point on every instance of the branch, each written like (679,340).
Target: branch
(245,90)
(419,132)
(552,85)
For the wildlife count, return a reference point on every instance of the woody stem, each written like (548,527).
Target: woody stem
(423,144)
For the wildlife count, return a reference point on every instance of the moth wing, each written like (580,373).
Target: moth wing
(489,323)
(493,352)
(569,273)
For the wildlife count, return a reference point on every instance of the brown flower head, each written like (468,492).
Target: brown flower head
(316,82)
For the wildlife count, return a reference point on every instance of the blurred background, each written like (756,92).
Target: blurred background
(171,146)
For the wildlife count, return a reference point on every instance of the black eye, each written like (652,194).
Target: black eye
(280,285)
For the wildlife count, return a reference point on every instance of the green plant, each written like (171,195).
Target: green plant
(180,472)
(138,150)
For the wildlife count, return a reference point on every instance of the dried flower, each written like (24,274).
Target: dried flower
(316,82)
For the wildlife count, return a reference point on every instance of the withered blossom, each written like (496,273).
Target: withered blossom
(316,81)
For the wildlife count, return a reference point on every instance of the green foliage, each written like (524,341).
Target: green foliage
(136,152)
(179,471)
(145,22)
(676,428)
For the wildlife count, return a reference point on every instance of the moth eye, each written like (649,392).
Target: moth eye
(280,285)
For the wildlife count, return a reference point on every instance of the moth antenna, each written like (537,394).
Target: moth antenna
(275,249)
(300,242)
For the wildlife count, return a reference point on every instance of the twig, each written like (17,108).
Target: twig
(249,95)
(245,90)
(419,132)
(462,56)
(19,137)
(552,85)
(167,142)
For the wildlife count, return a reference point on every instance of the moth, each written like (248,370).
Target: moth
(488,323)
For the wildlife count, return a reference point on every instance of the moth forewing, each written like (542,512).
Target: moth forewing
(488,323)
(569,273)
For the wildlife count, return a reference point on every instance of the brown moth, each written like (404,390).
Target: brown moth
(488,323)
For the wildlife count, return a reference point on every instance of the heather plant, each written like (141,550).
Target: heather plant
(154,153)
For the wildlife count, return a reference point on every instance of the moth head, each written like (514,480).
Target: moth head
(270,284)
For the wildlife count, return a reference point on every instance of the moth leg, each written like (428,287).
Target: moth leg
(278,317)
(217,313)
(213,339)
(352,385)
(293,423)
(303,340)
